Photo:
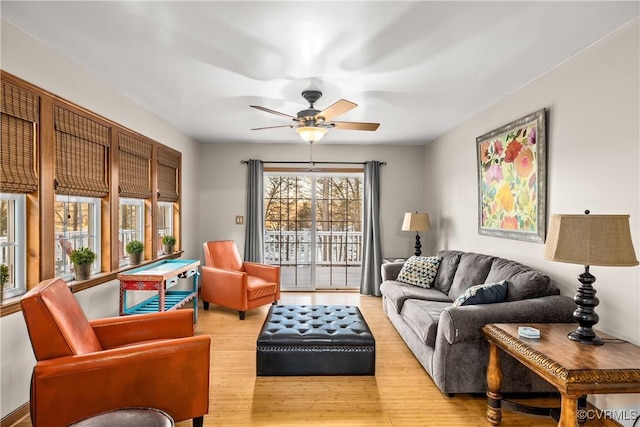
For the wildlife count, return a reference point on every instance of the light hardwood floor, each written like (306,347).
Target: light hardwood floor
(401,394)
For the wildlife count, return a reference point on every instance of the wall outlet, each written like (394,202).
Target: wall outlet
(239,219)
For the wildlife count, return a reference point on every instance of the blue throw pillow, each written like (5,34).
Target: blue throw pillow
(419,271)
(487,293)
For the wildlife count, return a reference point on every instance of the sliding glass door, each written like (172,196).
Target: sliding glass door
(313,228)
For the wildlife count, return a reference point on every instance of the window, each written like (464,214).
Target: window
(130,225)
(165,222)
(61,167)
(13,241)
(81,171)
(19,121)
(77,224)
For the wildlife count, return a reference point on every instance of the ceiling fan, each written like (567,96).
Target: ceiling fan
(312,124)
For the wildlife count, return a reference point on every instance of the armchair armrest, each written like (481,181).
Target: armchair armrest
(123,330)
(223,285)
(463,324)
(391,270)
(264,271)
(216,275)
(171,375)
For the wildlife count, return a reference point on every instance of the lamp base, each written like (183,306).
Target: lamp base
(583,339)
(418,246)
(585,314)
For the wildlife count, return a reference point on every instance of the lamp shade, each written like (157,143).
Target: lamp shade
(311,134)
(590,240)
(415,221)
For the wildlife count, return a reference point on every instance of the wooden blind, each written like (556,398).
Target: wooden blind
(168,169)
(20,115)
(135,167)
(81,150)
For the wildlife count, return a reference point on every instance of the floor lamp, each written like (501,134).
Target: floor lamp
(589,240)
(415,221)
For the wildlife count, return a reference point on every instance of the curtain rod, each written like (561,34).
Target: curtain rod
(311,162)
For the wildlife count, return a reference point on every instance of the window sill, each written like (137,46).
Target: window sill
(12,305)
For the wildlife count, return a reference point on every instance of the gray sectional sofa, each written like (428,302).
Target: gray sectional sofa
(447,339)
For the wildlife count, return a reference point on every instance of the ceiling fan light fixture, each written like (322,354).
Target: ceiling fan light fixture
(311,134)
(312,124)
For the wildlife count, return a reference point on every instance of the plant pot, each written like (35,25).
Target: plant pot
(82,271)
(135,259)
(168,249)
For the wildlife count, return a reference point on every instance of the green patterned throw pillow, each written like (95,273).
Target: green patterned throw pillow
(419,271)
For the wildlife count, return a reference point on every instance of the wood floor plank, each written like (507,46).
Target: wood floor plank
(401,394)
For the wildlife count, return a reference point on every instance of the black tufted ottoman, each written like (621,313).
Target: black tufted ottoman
(315,340)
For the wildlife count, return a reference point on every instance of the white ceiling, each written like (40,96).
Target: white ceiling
(419,68)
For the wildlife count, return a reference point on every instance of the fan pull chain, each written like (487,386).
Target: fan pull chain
(311,155)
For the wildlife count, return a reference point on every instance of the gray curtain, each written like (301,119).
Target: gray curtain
(372,250)
(254,231)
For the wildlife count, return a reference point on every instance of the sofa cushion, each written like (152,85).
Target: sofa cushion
(448,265)
(419,271)
(486,293)
(400,292)
(472,269)
(524,283)
(422,317)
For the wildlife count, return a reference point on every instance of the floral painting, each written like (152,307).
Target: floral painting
(512,180)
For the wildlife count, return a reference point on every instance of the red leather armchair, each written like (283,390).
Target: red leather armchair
(232,283)
(87,367)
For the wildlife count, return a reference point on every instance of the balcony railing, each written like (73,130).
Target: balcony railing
(331,248)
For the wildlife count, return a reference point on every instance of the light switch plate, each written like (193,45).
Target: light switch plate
(239,219)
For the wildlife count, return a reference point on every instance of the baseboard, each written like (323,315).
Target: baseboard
(17,415)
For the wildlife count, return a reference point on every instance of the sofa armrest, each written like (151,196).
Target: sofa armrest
(391,270)
(464,324)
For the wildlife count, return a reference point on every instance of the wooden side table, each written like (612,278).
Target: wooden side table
(574,369)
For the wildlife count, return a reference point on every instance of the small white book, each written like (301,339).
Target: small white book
(528,332)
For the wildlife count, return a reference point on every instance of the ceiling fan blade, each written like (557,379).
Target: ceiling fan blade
(337,108)
(273,127)
(278,113)
(355,126)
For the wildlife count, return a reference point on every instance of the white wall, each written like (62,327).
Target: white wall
(223,181)
(593,141)
(28,59)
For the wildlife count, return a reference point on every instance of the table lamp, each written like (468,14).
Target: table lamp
(603,240)
(414,221)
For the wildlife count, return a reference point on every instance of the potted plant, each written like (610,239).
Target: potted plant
(135,249)
(168,242)
(82,258)
(4,279)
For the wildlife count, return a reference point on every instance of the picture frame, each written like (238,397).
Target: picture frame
(512,179)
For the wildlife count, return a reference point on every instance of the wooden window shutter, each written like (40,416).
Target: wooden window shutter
(135,167)
(20,115)
(168,169)
(81,150)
